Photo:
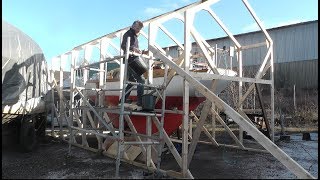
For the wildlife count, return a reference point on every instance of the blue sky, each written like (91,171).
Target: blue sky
(60,25)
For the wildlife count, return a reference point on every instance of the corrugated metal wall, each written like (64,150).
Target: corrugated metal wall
(303,74)
(291,43)
(295,48)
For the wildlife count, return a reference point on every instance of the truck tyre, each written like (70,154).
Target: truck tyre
(27,135)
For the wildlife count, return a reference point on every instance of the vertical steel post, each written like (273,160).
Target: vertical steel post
(74,55)
(272,93)
(60,97)
(52,96)
(240,92)
(121,136)
(188,16)
(151,39)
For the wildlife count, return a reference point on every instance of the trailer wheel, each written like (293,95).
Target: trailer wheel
(27,135)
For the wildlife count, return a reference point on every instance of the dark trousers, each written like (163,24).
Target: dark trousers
(134,77)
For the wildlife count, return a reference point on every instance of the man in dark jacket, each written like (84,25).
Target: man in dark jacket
(136,66)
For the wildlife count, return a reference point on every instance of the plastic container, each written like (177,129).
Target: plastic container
(148,102)
(138,65)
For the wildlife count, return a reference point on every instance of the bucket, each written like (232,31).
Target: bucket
(138,65)
(148,102)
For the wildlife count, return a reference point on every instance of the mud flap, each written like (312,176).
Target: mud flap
(28,138)
(40,125)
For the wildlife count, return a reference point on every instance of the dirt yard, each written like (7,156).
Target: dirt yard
(51,161)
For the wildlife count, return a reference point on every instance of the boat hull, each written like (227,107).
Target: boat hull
(172,121)
(174,98)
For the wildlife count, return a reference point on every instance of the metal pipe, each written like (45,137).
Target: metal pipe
(138,143)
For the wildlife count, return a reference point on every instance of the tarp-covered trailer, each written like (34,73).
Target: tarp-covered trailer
(24,84)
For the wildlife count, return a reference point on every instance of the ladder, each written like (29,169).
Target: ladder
(121,141)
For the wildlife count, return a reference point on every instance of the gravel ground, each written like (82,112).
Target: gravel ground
(51,161)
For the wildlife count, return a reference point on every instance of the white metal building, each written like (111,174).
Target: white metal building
(295,53)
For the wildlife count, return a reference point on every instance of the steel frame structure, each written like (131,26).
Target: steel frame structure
(68,111)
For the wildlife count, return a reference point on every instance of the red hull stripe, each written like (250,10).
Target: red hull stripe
(171,121)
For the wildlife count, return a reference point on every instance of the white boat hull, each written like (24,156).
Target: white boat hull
(175,87)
